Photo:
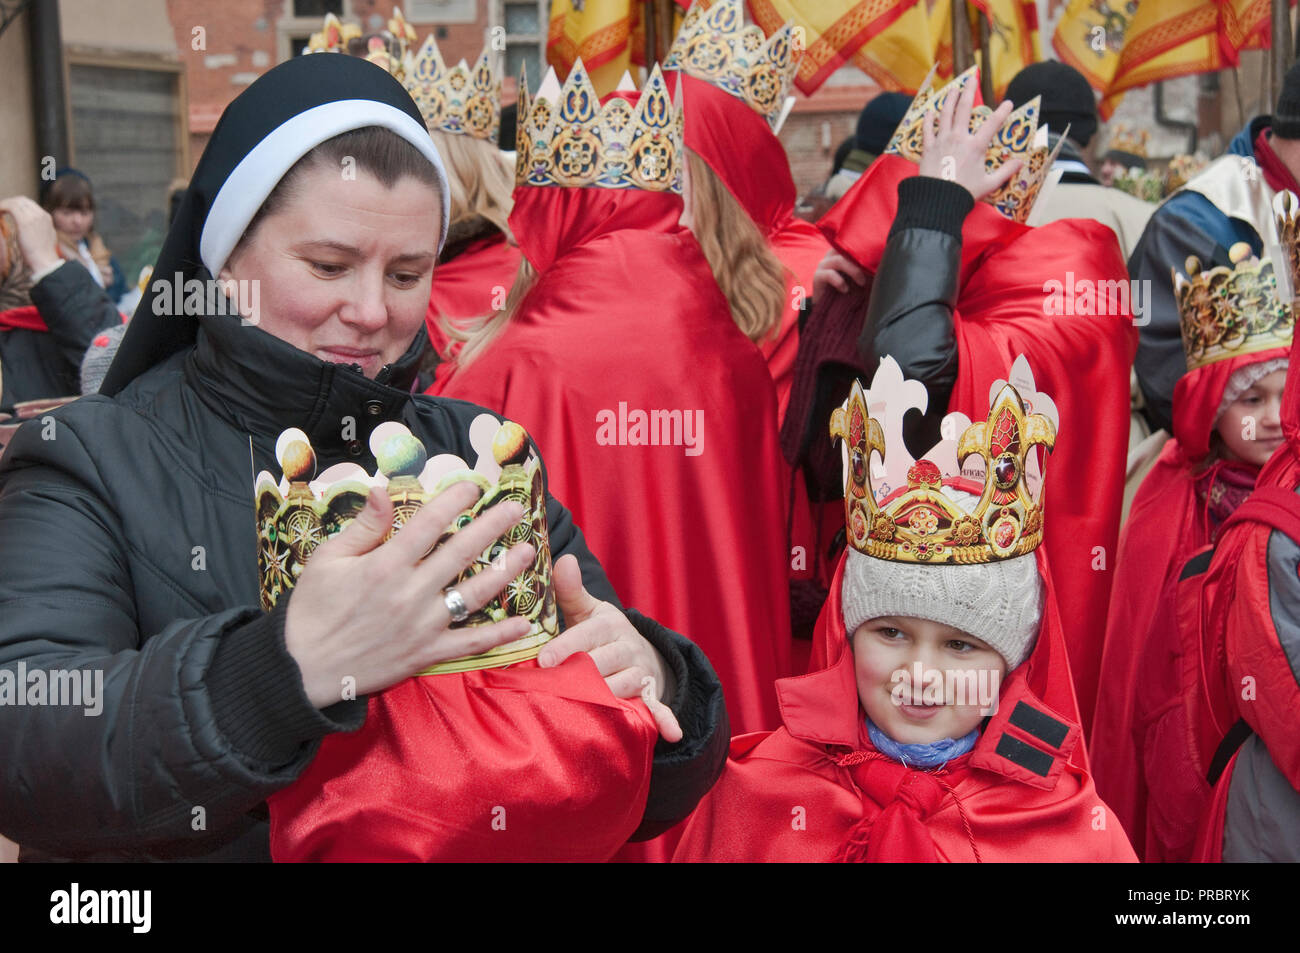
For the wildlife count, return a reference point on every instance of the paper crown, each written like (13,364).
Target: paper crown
(896,508)
(1182,169)
(1019,138)
(1226,311)
(458,100)
(1145,184)
(297,513)
(390,49)
(715,45)
(568,139)
(1129,141)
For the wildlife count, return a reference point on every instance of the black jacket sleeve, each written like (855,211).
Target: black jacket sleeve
(189,727)
(913,296)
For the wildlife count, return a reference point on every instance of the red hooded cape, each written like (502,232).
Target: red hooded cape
(1239,632)
(1034,291)
(471,285)
(738,145)
(505,764)
(625,319)
(815,789)
(1167,524)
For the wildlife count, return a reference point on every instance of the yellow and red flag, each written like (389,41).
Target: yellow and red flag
(892,41)
(600,32)
(1120,45)
(1013,38)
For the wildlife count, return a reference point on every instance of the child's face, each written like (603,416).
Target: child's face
(1251,427)
(954,687)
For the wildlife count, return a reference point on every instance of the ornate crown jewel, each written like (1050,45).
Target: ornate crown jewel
(298,513)
(715,45)
(1126,138)
(897,508)
(568,139)
(1227,311)
(391,50)
(1019,138)
(1286,209)
(458,100)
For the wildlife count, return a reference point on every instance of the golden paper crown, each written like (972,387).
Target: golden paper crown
(1019,138)
(298,513)
(568,139)
(1226,311)
(897,508)
(715,45)
(391,49)
(1126,138)
(459,100)
(1182,169)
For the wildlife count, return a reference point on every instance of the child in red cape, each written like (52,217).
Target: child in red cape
(1226,426)
(863,769)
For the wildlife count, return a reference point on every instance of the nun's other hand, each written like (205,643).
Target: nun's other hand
(836,270)
(366,613)
(629,664)
(952,152)
(36,237)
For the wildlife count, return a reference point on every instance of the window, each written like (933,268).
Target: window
(317,8)
(128,136)
(526,23)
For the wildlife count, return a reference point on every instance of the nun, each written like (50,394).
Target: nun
(128,548)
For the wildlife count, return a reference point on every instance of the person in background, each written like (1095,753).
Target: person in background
(70,200)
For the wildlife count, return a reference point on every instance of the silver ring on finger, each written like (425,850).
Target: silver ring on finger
(455,604)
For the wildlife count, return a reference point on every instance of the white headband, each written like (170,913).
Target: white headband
(258,173)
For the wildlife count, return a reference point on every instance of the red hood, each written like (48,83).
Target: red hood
(822,707)
(739,147)
(1197,396)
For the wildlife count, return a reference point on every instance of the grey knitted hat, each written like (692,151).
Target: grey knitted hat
(1244,378)
(998,602)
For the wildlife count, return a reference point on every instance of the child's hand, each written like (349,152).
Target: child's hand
(622,656)
(833,270)
(954,153)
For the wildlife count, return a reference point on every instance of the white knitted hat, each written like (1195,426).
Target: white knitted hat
(1244,378)
(998,602)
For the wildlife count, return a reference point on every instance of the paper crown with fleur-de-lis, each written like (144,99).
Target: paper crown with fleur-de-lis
(568,139)
(716,45)
(1128,143)
(896,508)
(462,100)
(301,510)
(1020,137)
(1227,311)
(390,49)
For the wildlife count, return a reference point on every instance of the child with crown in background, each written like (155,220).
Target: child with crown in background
(954,289)
(939,722)
(1237,330)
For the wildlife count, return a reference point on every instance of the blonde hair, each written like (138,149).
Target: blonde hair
(481,179)
(477,333)
(750,275)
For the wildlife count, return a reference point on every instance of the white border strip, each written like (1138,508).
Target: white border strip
(258,173)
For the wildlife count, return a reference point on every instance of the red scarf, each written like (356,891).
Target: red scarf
(22,319)
(1276,174)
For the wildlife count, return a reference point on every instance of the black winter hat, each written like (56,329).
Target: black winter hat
(879,119)
(1068,100)
(1286,117)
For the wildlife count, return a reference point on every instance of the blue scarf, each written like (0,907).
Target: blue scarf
(929,755)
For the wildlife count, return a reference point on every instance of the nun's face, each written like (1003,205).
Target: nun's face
(344,266)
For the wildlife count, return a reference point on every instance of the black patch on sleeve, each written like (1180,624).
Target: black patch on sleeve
(1042,726)
(1026,756)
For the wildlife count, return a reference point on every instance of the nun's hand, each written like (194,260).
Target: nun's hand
(630,665)
(366,614)
(951,151)
(36,237)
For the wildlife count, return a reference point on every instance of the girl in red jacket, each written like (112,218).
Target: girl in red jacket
(939,723)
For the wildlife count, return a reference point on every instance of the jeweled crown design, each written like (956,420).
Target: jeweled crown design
(1019,138)
(390,49)
(715,45)
(1226,311)
(568,139)
(298,513)
(458,100)
(896,508)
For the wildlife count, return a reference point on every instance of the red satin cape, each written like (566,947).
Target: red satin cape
(474,284)
(1167,524)
(626,317)
(802,792)
(739,146)
(1080,359)
(505,764)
